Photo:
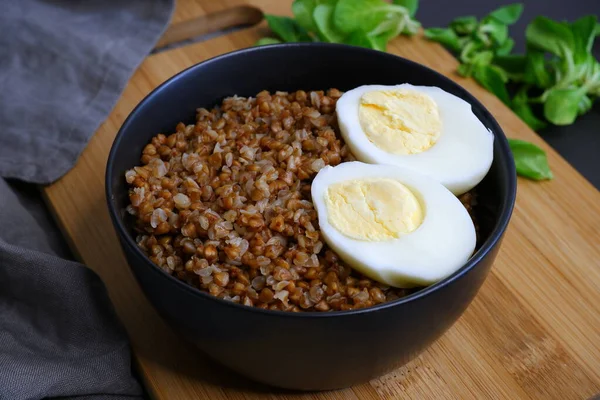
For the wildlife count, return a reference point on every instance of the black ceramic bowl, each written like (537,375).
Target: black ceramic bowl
(307,351)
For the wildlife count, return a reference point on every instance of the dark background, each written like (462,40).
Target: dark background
(579,143)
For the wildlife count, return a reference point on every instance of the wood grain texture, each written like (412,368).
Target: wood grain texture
(533,331)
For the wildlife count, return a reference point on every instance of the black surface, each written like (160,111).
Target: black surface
(578,143)
(303,350)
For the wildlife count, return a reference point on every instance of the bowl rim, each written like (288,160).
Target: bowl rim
(500,140)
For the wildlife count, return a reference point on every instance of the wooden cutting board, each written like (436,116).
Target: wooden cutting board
(533,331)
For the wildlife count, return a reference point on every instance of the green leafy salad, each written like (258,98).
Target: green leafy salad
(554,82)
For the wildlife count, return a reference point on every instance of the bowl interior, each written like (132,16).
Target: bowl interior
(287,68)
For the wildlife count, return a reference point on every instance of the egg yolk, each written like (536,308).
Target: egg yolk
(374,209)
(400,121)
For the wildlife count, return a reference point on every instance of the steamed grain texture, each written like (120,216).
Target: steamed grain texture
(533,331)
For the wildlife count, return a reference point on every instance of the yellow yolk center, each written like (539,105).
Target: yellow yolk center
(400,121)
(374,209)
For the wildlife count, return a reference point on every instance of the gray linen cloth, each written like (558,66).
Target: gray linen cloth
(59,335)
(63,65)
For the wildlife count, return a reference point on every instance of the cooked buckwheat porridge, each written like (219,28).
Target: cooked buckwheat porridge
(225,205)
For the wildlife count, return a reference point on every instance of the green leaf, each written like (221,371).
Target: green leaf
(411,26)
(592,81)
(387,30)
(368,15)
(469,50)
(463,40)
(465,70)
(361,39)
(496,30)
(379,42)
(583,33)
(506,47)
(584,68)
(267,40)
(287,29)
(513,64)
(551,36)
(520,105)
(584,29)
(503,75)
(536,70)
(585,105)
(411,5)
(464,25)
(389,27)
(303,12)
(523,110)
(531,161)
(482,58)
(323,18)
(508,15)
(562,105)
(445,36)
(493,81)
(482,38)
(365,15)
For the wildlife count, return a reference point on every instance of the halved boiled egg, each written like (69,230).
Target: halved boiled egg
(420,127)
(392,224)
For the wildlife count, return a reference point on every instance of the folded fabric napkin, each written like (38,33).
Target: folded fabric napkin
(63,65)
(59,335)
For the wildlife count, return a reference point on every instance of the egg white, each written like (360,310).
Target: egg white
(437,248)
(460,158)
